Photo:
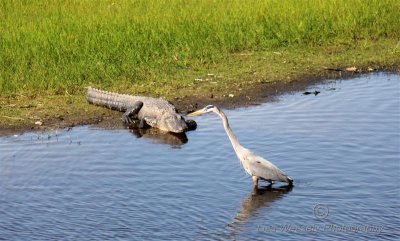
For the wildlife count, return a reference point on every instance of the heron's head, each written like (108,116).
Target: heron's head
(208,108)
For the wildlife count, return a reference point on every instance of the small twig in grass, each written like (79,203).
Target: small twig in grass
(348,69)
(13,118)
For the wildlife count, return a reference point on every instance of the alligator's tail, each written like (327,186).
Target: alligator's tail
(108,99)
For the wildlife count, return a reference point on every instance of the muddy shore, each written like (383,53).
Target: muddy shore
(253,94)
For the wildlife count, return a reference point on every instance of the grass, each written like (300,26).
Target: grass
(56,48)
(60,46)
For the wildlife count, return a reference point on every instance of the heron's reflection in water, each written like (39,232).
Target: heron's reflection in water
(175,140)
(259,198)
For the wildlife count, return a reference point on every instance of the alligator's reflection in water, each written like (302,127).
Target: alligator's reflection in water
(160,137)
(175,140)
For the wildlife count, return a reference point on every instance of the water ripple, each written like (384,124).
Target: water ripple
(342,147)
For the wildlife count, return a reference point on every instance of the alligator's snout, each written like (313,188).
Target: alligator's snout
(176,124)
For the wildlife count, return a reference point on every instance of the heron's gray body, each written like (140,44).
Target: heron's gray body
(156,112)
(257,166)
(254,165)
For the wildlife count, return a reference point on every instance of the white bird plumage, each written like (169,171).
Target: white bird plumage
(254,165)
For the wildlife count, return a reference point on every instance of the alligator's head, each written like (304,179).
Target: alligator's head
(174,123)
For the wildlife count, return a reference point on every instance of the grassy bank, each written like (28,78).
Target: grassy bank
(53,47)
(52,50)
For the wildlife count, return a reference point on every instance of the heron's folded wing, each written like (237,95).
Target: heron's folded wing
(263,168)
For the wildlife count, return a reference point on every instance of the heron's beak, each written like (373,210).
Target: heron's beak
(198,112)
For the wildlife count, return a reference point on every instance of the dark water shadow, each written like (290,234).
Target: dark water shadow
(175,140)
(261,197)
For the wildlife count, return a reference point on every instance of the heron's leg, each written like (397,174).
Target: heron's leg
(148,121)
(131,112)
(255,181)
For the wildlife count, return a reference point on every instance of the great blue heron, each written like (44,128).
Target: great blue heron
(254,165)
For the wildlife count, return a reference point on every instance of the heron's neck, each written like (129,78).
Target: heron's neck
(231,135)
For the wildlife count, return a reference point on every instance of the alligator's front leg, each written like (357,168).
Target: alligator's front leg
(131,112)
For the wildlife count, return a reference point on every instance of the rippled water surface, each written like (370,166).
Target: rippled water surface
(342,147)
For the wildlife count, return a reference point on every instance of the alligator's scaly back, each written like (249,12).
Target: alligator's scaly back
(121,102)
(111,100)
(156,112)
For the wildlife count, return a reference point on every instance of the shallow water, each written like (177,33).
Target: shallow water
(342,147)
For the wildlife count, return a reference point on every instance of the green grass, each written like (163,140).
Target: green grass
(57,47)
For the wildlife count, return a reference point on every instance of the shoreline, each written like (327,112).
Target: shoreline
(254,94)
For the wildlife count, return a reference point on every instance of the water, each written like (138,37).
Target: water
(342,147)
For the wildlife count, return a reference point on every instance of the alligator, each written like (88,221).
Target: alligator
(154,112)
